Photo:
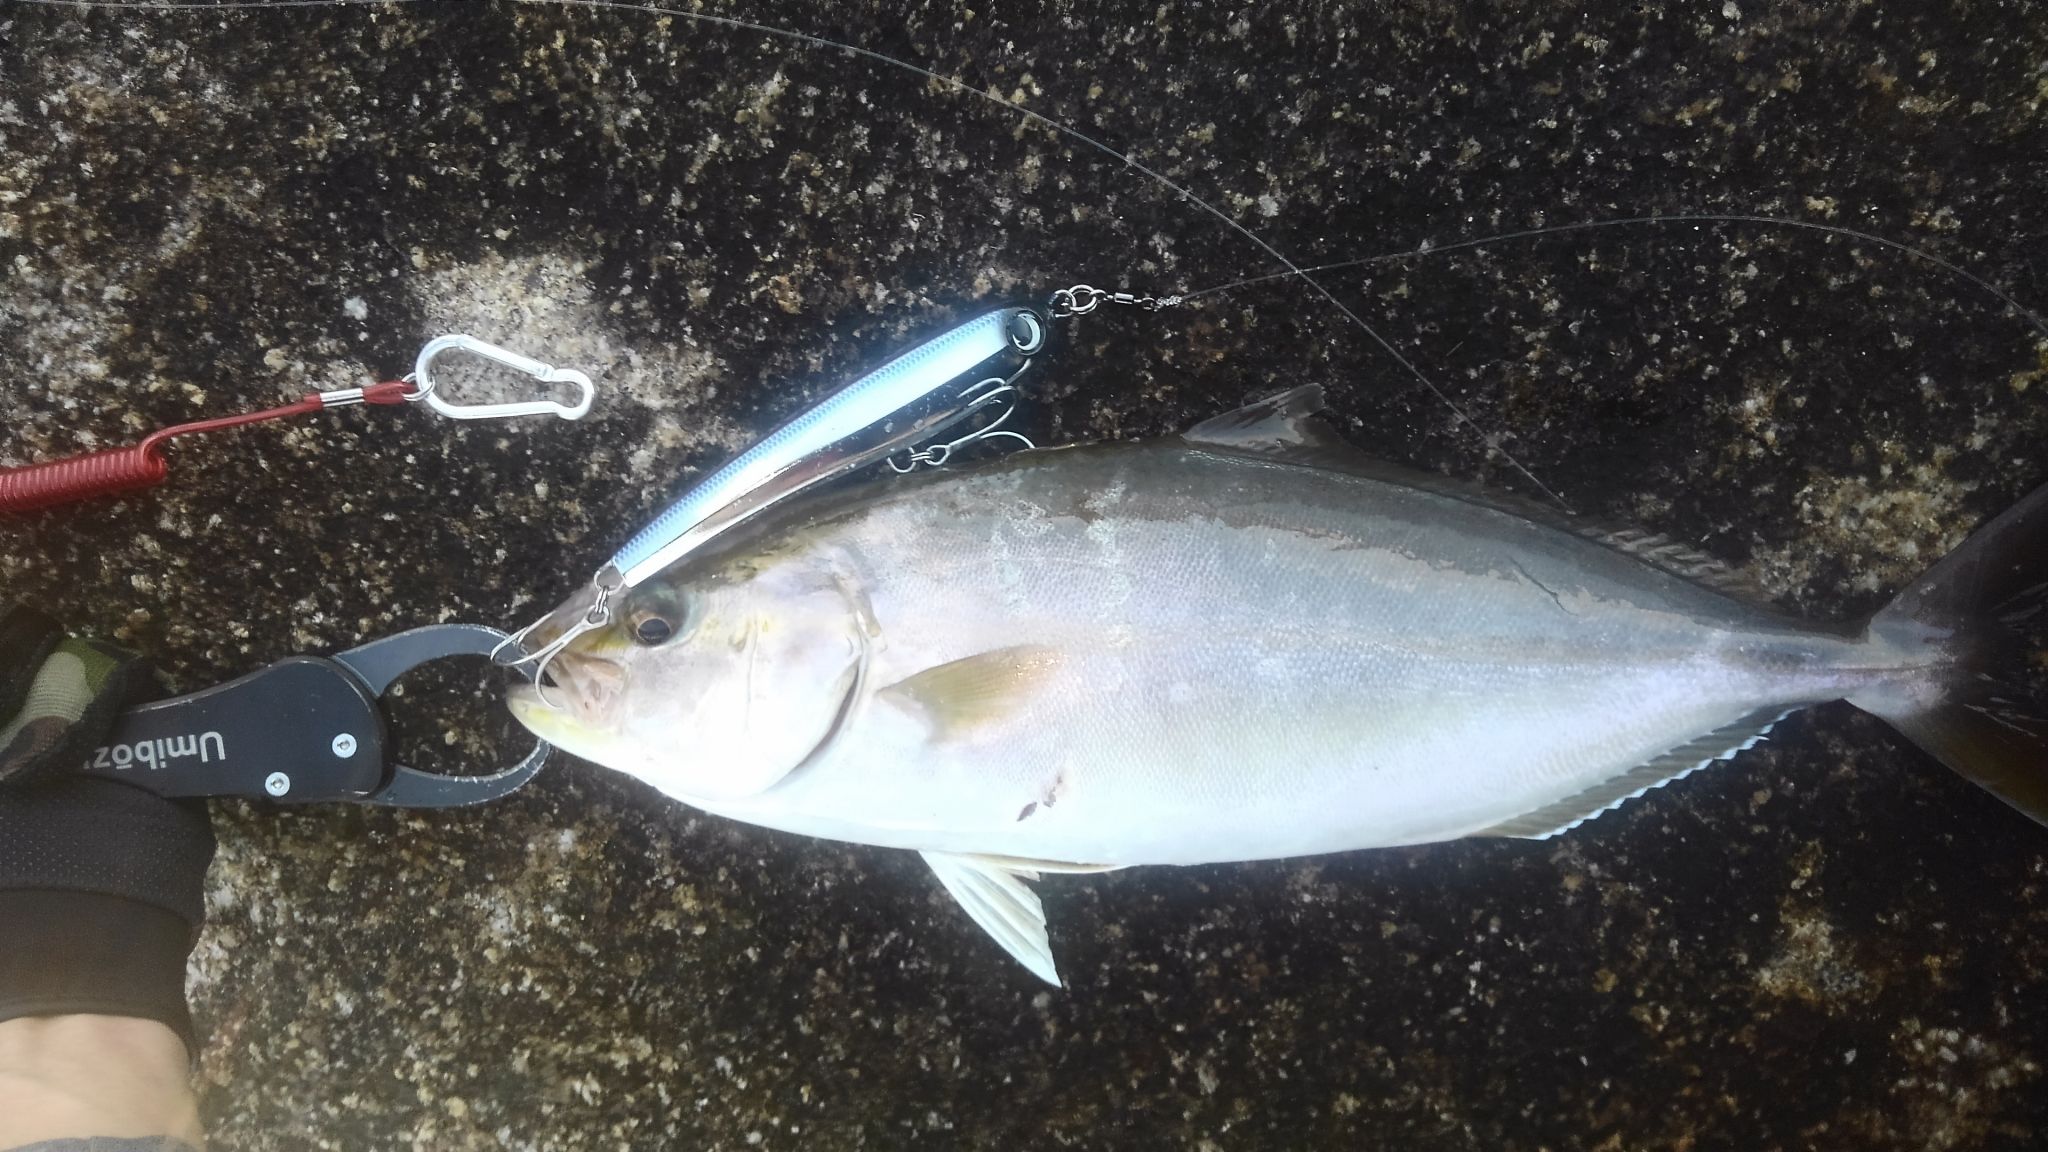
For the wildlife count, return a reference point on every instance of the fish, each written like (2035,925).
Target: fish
(1246,642)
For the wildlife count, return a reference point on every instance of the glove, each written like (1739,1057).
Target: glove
(101,883)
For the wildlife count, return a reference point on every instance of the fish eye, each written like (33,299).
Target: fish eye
(651,629)
(657,616)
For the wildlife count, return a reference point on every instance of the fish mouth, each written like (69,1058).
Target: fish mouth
(590,684)
(550,723)
(570,712)
(537,715)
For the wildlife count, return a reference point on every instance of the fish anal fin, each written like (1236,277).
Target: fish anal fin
(994,895)
(959,696)
(1564,815)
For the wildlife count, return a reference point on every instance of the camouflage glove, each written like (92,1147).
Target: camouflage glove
(100,883)
(57,695)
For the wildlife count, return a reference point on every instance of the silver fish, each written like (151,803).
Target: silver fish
(1245,643)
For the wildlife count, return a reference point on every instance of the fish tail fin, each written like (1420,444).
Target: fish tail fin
(1984,610)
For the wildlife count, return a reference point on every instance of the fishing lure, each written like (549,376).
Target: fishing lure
(967,372)
(890,407)
(116,471)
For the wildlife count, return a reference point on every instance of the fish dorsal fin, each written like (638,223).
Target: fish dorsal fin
(993,892)
(1564,815)
(957,697)
(1661,551)
(1282,425)
(1285,427)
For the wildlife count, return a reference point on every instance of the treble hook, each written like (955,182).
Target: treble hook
(999,388)
(607,583)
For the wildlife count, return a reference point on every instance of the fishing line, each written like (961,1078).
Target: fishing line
(808,40)
(1292,270)
(2011,304)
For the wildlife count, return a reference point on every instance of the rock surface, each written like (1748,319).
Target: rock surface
(1831,943)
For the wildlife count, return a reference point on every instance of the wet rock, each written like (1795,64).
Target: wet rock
(1830,943)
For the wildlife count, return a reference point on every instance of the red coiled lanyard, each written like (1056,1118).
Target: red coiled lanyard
(115,471)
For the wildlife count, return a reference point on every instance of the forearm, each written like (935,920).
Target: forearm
(76,1077)
(92,983)
(101,898)
(92,1004)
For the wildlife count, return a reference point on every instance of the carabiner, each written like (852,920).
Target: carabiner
(422,379)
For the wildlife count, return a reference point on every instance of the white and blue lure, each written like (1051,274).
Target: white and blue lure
(966,372)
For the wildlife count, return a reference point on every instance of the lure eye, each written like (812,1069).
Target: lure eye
(651,630)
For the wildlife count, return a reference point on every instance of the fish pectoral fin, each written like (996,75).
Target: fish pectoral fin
(995,896)
(1566,814)
(964,694)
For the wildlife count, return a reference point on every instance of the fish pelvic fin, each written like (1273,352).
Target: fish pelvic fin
(995,896)
(957,697)
(1981,614)
(1560,816)
(1030,869)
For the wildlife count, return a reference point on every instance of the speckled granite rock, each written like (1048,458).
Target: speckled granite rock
(1830,944)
